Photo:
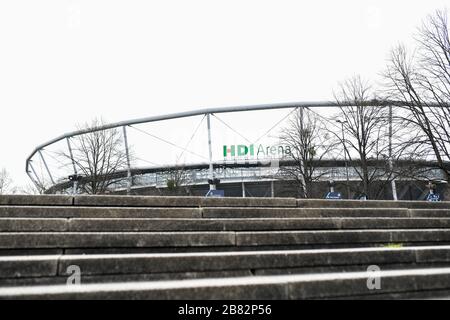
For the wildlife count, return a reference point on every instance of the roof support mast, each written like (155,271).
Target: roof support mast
(212,185)
(127,153)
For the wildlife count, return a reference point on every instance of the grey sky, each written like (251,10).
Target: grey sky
(64,62)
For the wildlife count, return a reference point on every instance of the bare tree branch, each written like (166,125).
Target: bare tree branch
(421,77)
(307,139)
(98,156)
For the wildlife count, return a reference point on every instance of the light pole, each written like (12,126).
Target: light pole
(345,155)
(302,164)
(391,164)
(212,185)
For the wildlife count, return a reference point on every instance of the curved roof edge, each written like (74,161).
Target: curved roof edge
(196,112)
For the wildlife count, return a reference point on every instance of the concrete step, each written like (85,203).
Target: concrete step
(213,224)
(139,201)
(142,201)
(115,264)
(126,201)
(224,212)
(33,224)
(46,240)
(226,273)
(349,237)
(311,286)
(413,295)
(38,200)
(211,239)
(321,213)
(322,203)
(252,248)
(256,224)
(100,212)
(218,212)
(101,278)
(152,201)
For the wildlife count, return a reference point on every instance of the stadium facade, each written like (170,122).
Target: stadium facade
(244,168)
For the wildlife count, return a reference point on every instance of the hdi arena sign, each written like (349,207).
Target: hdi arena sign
(259,150)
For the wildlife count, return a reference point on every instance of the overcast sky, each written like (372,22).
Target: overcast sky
(65,62)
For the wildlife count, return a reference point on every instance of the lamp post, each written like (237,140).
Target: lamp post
(391,164)
(345,155)
(212,184)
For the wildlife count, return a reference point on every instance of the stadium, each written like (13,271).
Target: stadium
(237,150)
(148,190)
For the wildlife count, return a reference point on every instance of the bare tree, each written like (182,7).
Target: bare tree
(307,139)
(176,178)
(366,133)
(30,189)
(39,186)
(5,181)
(416,79)
(98,156)
(7,187)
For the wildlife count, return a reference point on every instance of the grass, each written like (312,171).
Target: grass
(393,245)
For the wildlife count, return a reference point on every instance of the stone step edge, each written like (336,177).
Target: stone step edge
(59,263)
(215,212)
(105,224)
(142,201)
(230,239)
(309,286)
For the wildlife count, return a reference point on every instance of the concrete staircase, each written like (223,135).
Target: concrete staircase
(221,248)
